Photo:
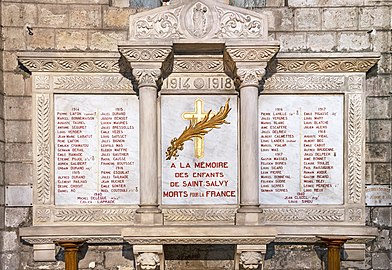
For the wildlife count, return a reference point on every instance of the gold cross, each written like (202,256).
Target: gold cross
(195,117)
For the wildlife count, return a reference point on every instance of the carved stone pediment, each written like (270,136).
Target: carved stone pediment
(198,20)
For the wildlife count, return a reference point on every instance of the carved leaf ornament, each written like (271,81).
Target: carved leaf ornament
(43,151)
(198,130)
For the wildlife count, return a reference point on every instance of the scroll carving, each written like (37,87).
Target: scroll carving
(324,65)
(251,54)
(355,149)
(95,215)
(236,25)
(145,54)
(304,83)
(191,66)
(43,149)
(71,65)
(315,215)
(199,215)
(159,26)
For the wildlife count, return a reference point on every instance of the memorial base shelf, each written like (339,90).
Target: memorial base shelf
(43,238)
(188,234)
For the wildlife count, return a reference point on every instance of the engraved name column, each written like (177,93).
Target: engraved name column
(250,63)
(146,64)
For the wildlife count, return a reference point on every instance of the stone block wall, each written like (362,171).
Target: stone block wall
(97,25)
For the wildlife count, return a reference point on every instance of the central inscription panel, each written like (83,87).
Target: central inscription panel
(96,149)
(199,149)
(301,149)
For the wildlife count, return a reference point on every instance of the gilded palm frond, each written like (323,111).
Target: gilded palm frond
(198,130)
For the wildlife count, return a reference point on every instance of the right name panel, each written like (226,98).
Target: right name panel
(301,149)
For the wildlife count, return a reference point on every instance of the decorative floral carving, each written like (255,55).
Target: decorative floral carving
(251,76)
(355,83)
(146,77)
(295,214)
(251,260)
(145,54)
(251,54)
(199,215)
(324,65)
(304,83)
(355,149)
(42,82)
(71,65)
(354,215)
(92,83)
(148,261)
(192,66)
(95,215)
(236,25)
(42,215)
(159,26)
(43,149)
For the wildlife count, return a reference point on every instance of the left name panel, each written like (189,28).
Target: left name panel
(96,149)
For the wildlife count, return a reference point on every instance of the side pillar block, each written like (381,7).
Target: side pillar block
(149,257)
(249,257)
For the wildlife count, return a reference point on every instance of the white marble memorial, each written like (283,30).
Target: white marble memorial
(301,149)
(96,149)
(205,170)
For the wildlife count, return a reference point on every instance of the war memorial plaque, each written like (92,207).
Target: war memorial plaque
(301,149)
(96,149)
(204,169)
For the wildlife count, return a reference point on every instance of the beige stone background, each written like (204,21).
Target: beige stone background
(97,25)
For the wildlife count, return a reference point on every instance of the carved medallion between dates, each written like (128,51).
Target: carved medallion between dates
(43,149)
(355,149)
(295,214)
(199,215)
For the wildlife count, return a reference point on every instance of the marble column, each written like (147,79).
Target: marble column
(249,76)
(147,77)
(149,63)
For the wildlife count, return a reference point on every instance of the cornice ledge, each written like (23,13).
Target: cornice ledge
(323,62)
(83,62)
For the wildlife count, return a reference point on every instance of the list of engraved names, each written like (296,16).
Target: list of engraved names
(96,149)
(301,149)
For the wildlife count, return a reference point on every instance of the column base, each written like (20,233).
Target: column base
(248,218)
(148,219)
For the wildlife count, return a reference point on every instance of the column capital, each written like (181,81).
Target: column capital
(249,75)
(247,62)
(149,63)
